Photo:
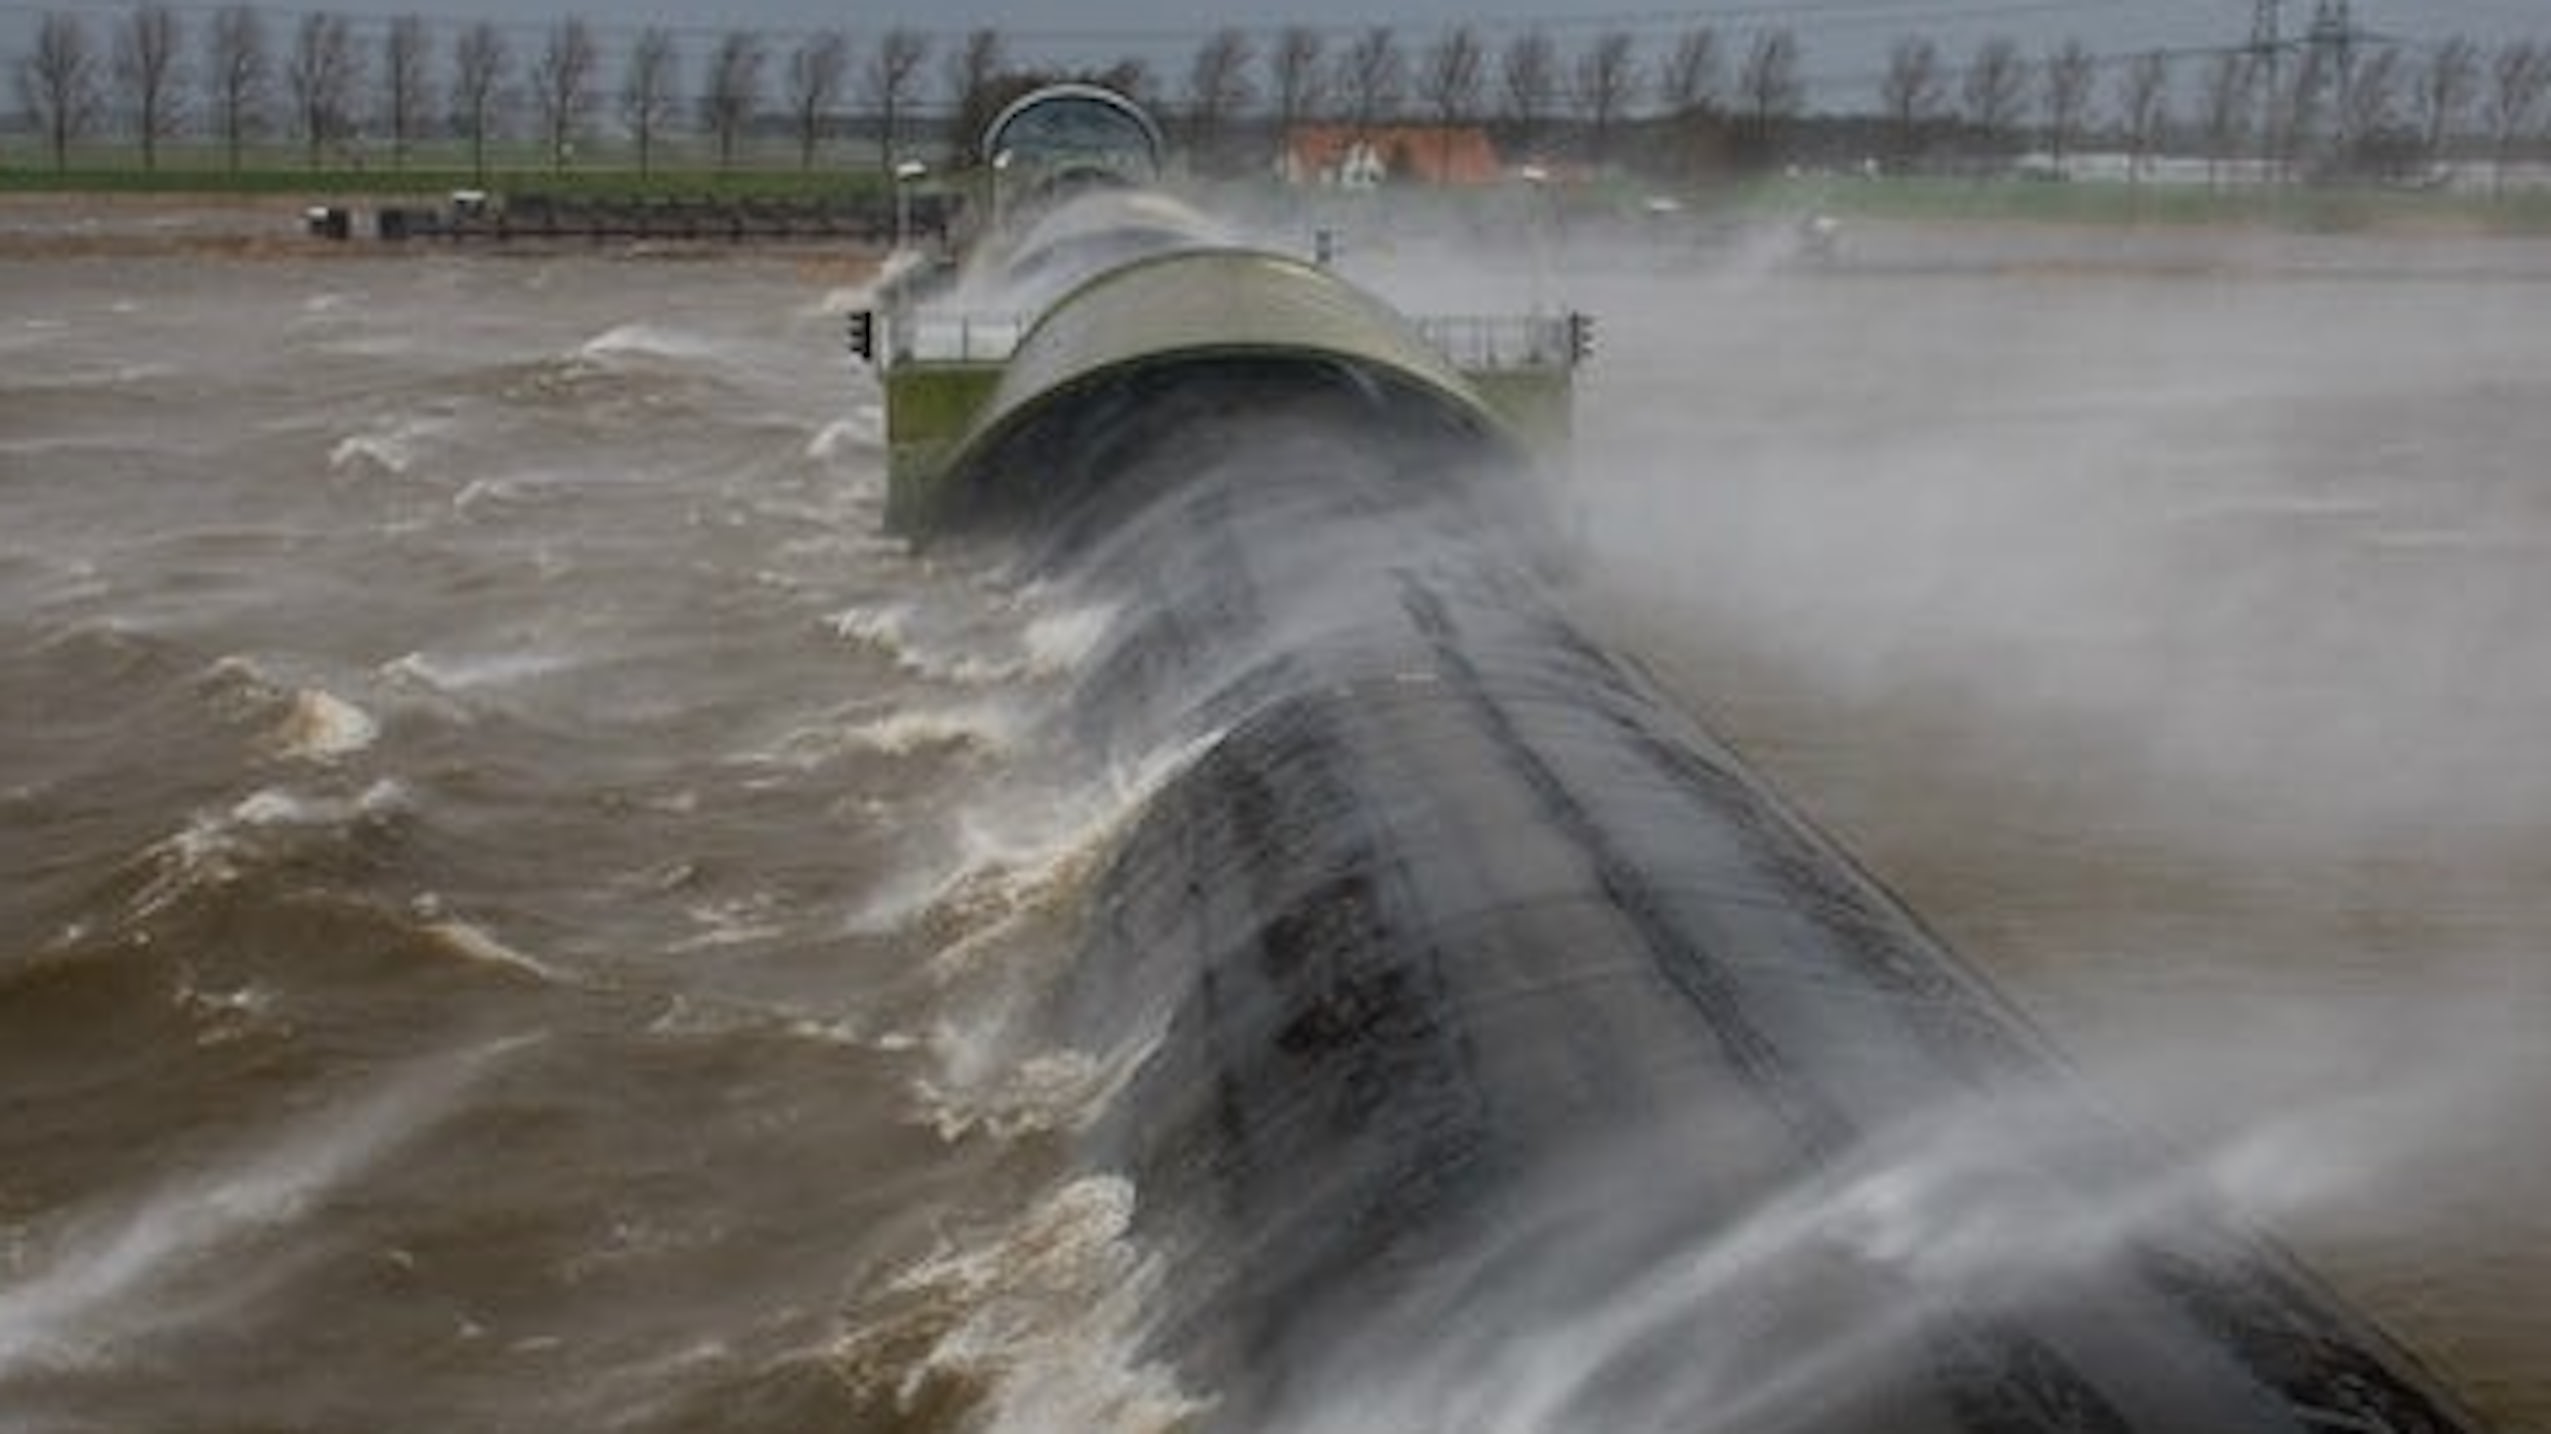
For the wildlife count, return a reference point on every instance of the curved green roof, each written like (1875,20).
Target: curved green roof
(1192,304)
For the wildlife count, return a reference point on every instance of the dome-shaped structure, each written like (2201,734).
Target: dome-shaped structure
(1067,134)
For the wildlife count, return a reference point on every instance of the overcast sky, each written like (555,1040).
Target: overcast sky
(1842,41)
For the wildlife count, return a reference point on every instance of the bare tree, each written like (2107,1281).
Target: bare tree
(1913,92)
(818,70)
(648,98)
(1528,84)
(478,78)
(1688,78)
(2224,106)
(405,54)
(2445,91)
(2519,74)
(562,86)
(148,46)
(1996,92)
(2299,111)
(892,70)
(1372,78)
(1605,83)
(1769,88)
(1131,76)
(57,81)
(1294,79)
(2070,72)
(323,73)
(2143,104)
(2371,118)
(733,91)
(235,76)
(973,71)
(1456,71)
(1217,90)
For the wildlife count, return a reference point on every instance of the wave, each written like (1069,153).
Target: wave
(652,343)
(1045,644)
(983,727)
(390,447)
(861,434)
(79,378)
(1031,1325)
(268,829)
(323,727)
(454,673)
(473,943)
(95,1284)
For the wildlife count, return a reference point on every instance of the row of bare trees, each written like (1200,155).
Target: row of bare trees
(1528,89)
(243,79)
(1695,98)
(132,76)
(2321,107)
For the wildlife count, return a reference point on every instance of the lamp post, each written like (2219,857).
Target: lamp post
(905,174)
(1000,183)
(1536,226)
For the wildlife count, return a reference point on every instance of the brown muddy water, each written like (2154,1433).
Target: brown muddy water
(509,875)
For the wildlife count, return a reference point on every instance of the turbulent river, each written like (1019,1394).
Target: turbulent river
(516,891)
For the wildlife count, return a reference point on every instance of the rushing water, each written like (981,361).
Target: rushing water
(517,894)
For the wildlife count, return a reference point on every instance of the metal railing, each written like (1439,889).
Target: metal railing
(1468,341)
(955,338)
(1502,341)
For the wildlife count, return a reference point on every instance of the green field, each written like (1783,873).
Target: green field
(770,170)
(435,170)
(2314,208)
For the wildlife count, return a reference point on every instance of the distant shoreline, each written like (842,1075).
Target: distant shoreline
(248,227)
(1874,239)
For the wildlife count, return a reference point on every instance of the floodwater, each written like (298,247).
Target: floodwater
(515,888)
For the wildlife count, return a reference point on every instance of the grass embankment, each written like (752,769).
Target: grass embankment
(434,175)
(2330,209)
(431,173)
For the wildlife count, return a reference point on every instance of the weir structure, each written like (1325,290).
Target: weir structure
(1498,1050)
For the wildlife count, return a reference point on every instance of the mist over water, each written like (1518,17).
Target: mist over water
(2162,628)
(527,913)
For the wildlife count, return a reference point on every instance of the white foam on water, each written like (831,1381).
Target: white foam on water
(1043,1314)
(879,625)
(741,921)
(1043,643)
(483,492)
(1003,918)
(70,378)
(859,434)
(1011,855)
(214,848)
(982,728)
(985,726)
(647,342)
(454,673)
(1060,642)
(226,1015)
(323,727)
(982,1089)
(478,945)
(390,447)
